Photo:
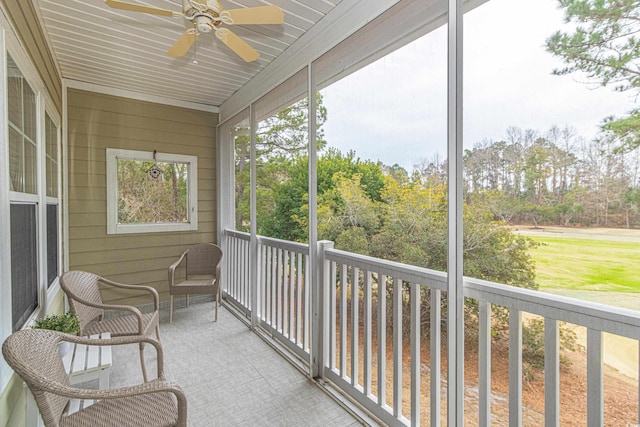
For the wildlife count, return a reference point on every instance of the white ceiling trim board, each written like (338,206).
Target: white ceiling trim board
(106,90)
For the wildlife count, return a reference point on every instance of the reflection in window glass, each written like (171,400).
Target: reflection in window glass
(51,142)
(152,192)
(22,131)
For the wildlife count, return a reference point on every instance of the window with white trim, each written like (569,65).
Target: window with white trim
(151,192)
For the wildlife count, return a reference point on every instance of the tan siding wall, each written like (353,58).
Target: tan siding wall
(25,21)
(97,122)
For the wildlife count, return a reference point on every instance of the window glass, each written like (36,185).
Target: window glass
(24,263)
(152,192)
(52,243)
(51,142)
(22,134)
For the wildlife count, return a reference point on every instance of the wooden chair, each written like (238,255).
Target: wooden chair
(83,293)
(34,356)
(202,274)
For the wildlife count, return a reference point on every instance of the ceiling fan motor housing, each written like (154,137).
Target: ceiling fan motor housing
(204,24)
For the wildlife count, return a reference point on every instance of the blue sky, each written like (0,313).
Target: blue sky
(395,109)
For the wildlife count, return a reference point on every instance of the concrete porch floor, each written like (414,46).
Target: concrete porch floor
(230,376)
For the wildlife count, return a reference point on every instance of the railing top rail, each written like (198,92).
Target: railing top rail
(262,240)
(237,234)
(284,244)
(412,274)
(619,321)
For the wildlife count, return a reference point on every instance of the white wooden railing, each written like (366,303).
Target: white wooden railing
(358,331)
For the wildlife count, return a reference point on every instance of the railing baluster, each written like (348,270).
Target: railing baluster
(397,348)
(595,381)
(415,354)
(274,287)
(551,373)
(515,368)
(343,320)
(355,330)
(382,339)
(300,321)
(366,313)
(334,314)
(484,364)
(435,337)
(285,292)
(306,330)
(292,297)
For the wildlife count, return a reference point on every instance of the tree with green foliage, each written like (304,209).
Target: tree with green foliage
(605,46)
(281,138)
(289,218)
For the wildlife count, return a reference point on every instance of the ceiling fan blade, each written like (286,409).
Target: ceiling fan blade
(182,45)
(256,15)
(116,4)
(237,45)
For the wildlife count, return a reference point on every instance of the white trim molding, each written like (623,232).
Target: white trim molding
(139,96)
(114,227)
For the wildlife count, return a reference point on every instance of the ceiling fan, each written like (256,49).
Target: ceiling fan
(206,16)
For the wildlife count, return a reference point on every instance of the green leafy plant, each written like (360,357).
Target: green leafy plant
(67,322)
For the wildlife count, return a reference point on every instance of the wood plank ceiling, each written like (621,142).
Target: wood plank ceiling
(96,44)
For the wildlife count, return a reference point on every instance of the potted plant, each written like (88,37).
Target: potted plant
(67,323)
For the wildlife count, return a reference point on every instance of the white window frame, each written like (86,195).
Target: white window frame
(9,44)
(113,227)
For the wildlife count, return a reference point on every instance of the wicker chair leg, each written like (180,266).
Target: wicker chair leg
(158,331)
(188,300)
(171,309)
(217,303)
(142,363)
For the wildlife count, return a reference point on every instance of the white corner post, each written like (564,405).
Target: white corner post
(455,314)
(315,364)
(253,242)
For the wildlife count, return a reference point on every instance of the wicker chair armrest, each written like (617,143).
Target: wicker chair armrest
(117,307)
(172,268)
(149,289)
(130,339)
(155,386)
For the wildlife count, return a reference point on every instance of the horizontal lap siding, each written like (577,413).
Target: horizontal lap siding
(97,122)
(25,20)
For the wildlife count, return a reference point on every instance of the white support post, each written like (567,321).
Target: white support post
(455,328)
(317,327)
(253,242)
(320,307)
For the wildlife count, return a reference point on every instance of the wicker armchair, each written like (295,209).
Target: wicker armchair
(204,262)
(33,354)
(83,293)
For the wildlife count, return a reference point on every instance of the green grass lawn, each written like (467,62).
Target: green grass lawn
(587,265)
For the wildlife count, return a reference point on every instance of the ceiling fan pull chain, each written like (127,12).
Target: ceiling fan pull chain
(195,49)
